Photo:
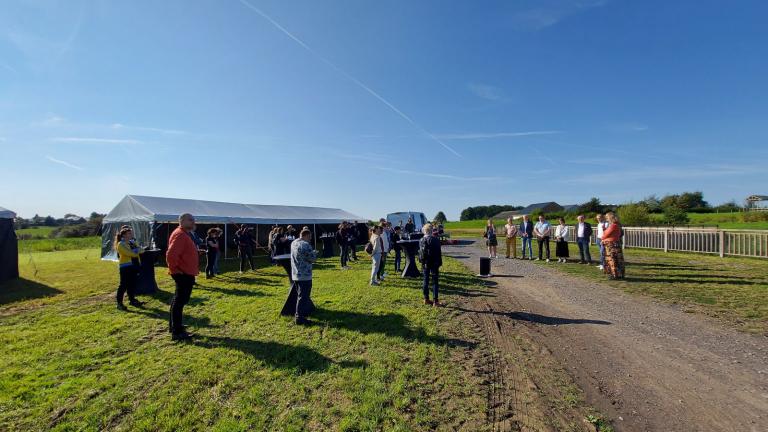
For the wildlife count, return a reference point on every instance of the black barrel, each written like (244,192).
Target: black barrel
(485,266)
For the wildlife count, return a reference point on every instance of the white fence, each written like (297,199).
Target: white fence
(744,243)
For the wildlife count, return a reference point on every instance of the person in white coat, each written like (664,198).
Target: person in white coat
(377,248)
(561,241)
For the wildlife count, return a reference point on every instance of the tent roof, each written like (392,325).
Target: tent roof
(6,214)
(157,209)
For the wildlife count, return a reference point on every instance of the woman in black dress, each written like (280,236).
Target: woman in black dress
(490,239)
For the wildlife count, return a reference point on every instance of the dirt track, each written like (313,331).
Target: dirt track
(647,365)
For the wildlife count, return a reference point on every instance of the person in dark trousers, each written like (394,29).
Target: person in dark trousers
(543,231)
(386,237)
(342,238)
(212,254)
(583,234)
(354,233)
(129,261)
(245,242)
(182,257)
(431,257)
(398,248)
(525,230)
(302,258)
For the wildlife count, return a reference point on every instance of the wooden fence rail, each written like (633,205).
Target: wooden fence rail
(744,243)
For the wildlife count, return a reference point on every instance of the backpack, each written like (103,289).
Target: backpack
(424,251)
(369,248)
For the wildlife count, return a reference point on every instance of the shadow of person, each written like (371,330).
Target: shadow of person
(277,355)
(165,314)
(389,324)
(233,291)
(536,318)
(15,290)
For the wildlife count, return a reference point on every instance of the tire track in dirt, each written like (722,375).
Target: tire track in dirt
(647,365)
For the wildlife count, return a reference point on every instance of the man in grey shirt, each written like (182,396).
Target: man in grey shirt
(302,257)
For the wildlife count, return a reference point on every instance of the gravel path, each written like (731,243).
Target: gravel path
(649,366)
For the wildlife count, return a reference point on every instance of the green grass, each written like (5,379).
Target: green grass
(55,245)
(41,232)
(376,359)
(732,289)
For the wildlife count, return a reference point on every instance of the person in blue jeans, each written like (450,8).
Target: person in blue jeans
(601,226)
(526,233)
(583,234)
(431,257)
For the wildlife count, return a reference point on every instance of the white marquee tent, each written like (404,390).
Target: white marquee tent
(153,218)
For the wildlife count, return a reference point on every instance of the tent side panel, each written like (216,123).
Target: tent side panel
(9,251)
(142,231)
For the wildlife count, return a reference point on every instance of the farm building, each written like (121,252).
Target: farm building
(154,218)
(9,247)
(757,202)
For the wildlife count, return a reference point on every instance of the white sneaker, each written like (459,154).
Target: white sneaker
(374,283)
(601,267)
(547,259)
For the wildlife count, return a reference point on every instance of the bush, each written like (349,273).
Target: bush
(674,215)
(634,214)
(756,216)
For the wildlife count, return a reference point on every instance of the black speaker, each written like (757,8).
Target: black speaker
(485,266)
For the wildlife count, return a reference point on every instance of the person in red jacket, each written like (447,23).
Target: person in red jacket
(614,255)
(183,266)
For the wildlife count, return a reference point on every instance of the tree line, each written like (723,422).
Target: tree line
(71,225)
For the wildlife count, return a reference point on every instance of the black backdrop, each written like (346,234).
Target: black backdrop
(9,251)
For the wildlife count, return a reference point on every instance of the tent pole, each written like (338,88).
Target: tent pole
(225,240)
(314,234)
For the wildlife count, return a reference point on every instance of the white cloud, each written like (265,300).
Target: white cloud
(81,140)
(437,175)
(533,15)
(490,135)
(486,91)
(65,163)
(120,126)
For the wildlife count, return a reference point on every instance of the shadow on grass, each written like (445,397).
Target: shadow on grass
(663,266)
(232,291)
(165,314)
(390,324)
(687,280)
(24,289)
(536,318)
(299,358)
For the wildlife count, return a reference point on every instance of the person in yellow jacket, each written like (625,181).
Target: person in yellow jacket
(129,260)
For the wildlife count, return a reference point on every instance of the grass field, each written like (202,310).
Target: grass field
(41,232)
(734,290)
(54,245)
(375,359)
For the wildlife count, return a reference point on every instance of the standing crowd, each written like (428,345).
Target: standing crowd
(286,248)
(608,238)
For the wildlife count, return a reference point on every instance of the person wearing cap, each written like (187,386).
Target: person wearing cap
(182,258)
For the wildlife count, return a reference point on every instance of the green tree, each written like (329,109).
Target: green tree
(440,217)
(652,203)
(674,215)
(634,214)
(592,206)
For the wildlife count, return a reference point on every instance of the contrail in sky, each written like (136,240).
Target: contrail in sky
(349,77)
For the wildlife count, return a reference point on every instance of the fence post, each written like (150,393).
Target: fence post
(666,240)
(722,243)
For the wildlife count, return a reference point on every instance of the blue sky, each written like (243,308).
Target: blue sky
(379,106)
